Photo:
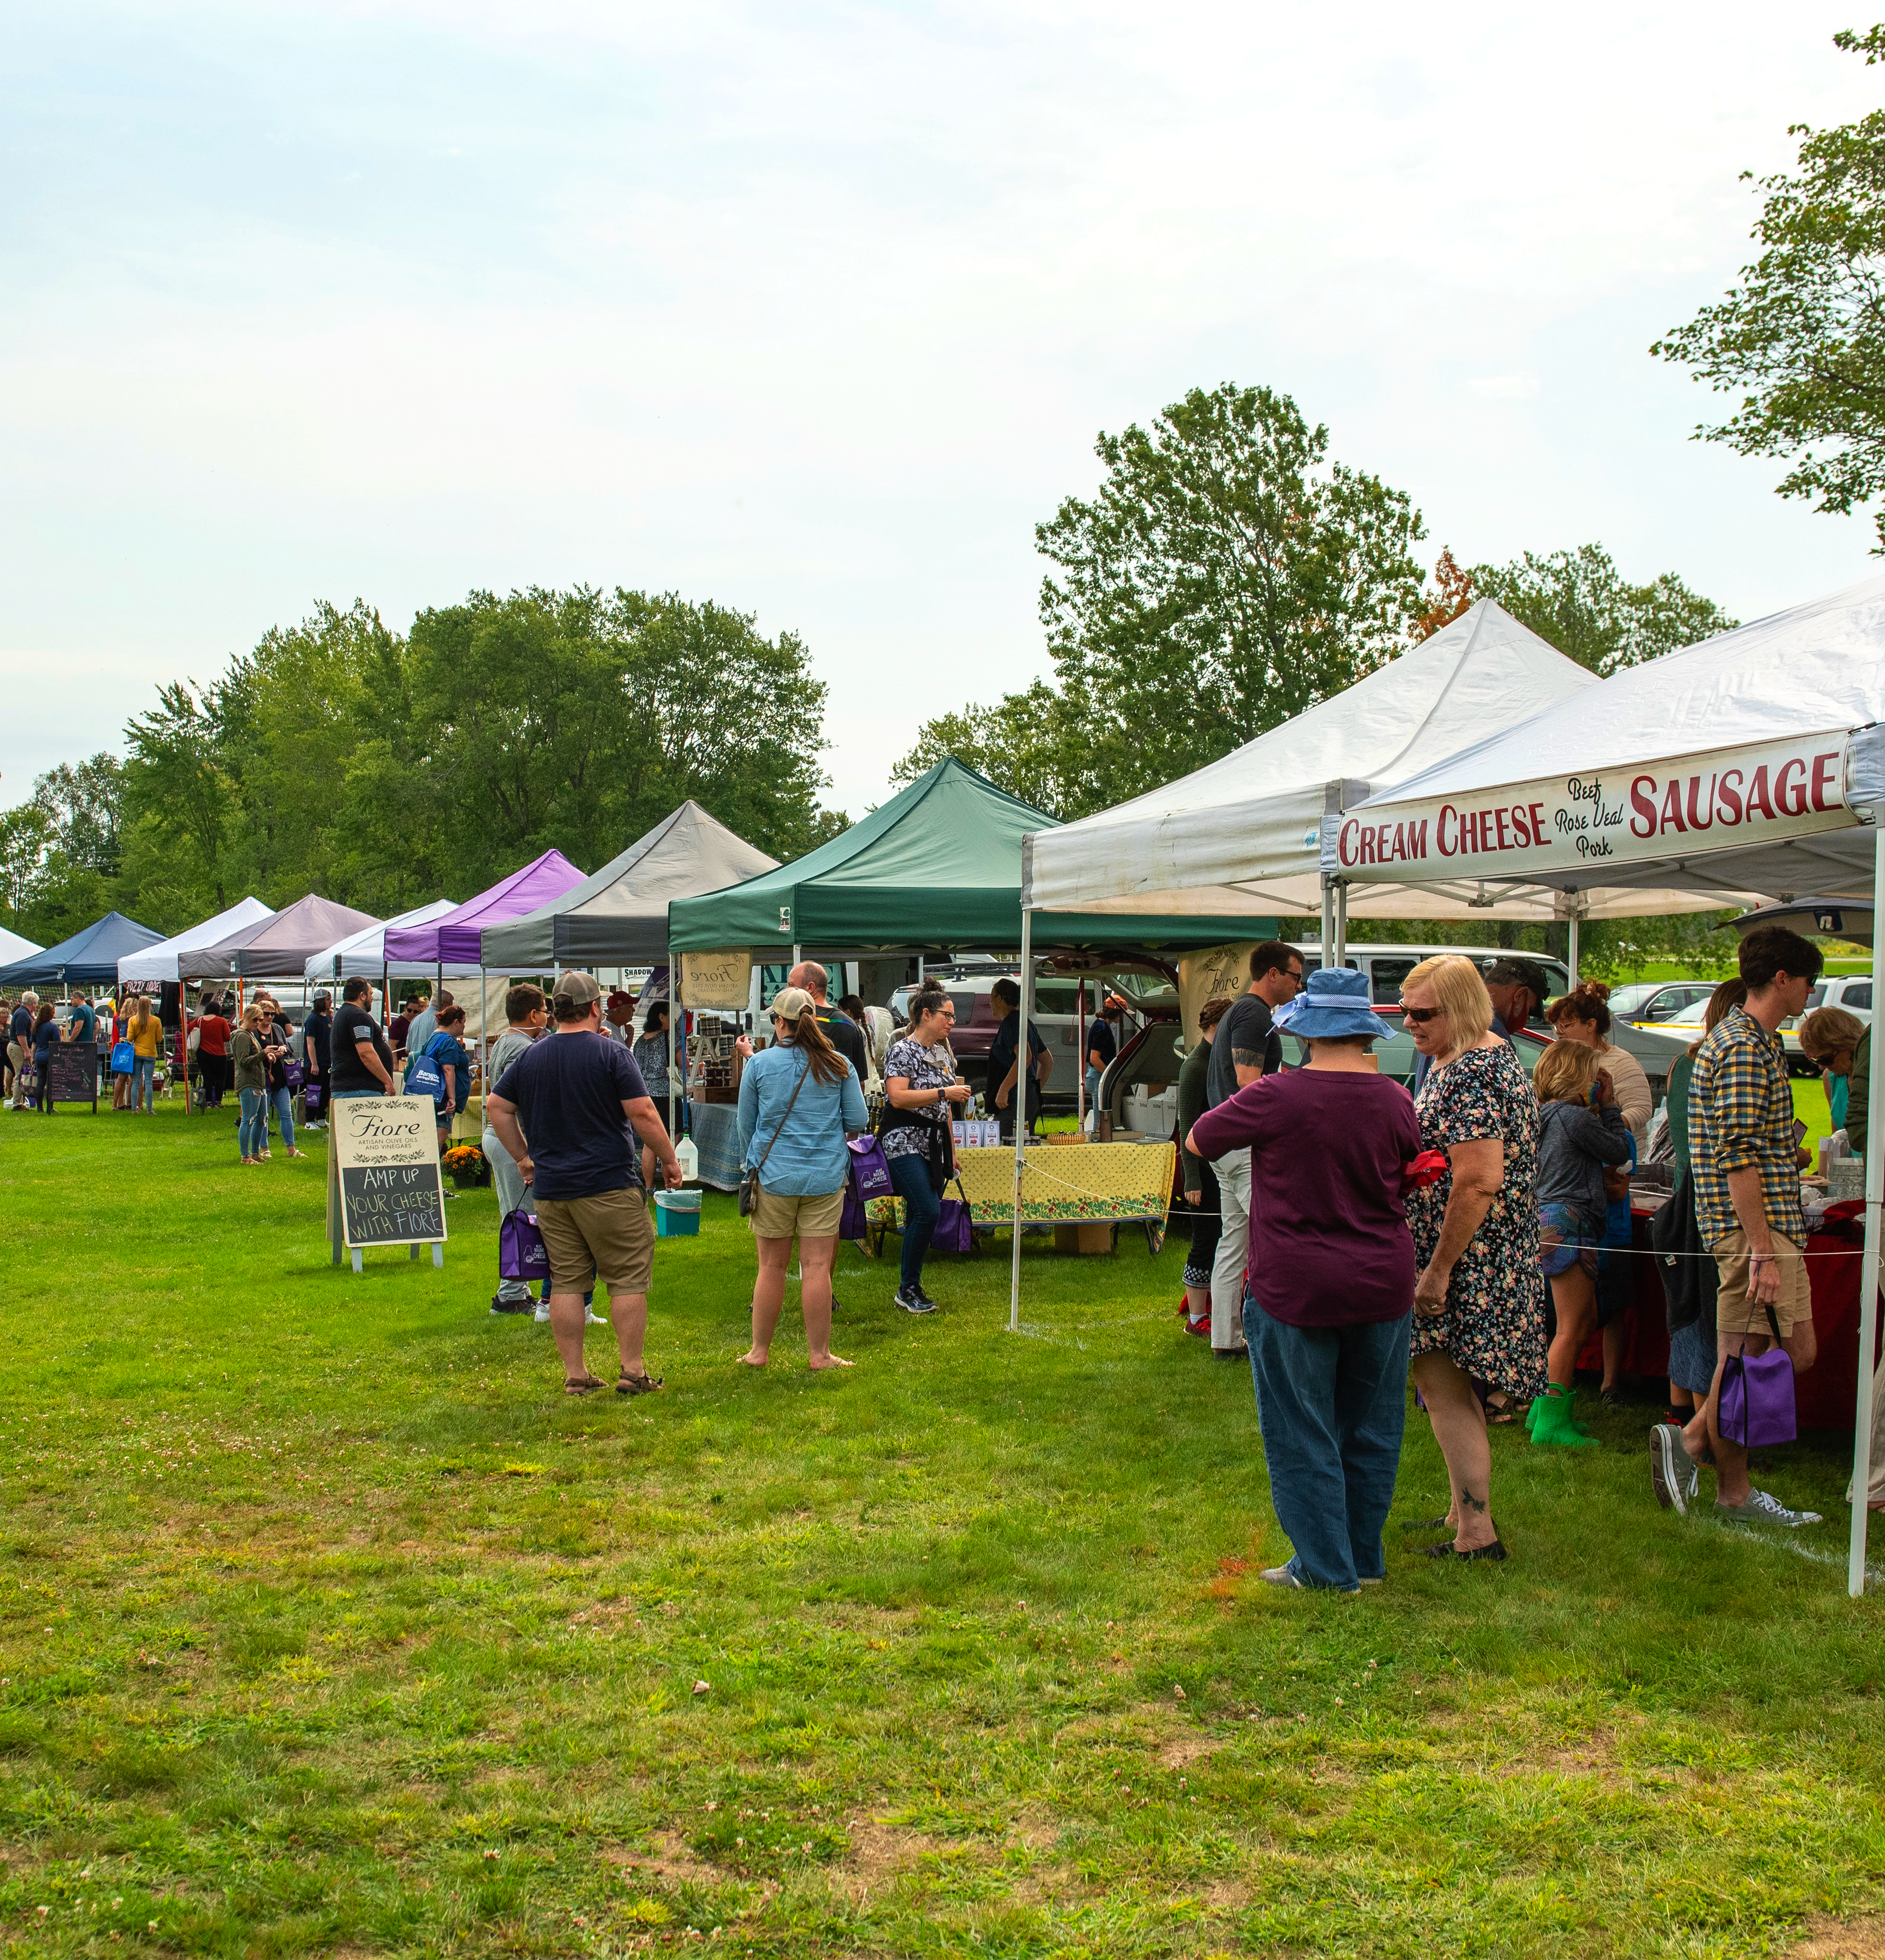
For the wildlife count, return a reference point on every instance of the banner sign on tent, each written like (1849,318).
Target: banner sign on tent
(723,978)
(1751,794)
(1215,972)
(385,1151)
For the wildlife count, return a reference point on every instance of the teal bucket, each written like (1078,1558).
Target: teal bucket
(677,1215)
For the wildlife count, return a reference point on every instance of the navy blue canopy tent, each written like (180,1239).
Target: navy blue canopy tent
(88,959)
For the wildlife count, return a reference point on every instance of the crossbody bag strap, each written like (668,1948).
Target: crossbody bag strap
(786,1118)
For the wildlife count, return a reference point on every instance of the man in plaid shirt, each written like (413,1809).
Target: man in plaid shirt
(1746,1165)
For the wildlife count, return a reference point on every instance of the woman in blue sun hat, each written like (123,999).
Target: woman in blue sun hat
(1330,1293)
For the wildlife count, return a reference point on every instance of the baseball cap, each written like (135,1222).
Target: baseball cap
(789,1002)
(1517,971)
(579,990)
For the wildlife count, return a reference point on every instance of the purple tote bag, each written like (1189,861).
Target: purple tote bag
(520,1252)
(1757,1399)
(955,1226)
(870,1169)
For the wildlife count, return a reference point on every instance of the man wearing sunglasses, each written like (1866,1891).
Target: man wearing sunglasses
(1246,1048)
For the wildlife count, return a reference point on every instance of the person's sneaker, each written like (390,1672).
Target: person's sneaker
(1280,1575)
(923,1295)
(543,1313)
(592,1318)
(1763,1509)
(1671,1474)
(500,1305)
(912,1300)
(1200,1328)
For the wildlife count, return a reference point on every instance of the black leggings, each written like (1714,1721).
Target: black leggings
(1207,1226)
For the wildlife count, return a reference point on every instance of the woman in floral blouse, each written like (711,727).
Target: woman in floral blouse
(922,1091)
(1479,1300)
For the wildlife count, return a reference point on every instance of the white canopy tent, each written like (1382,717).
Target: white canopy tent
(362,955)
(1754,761)
(151,965)
(1243,834)
(13,947)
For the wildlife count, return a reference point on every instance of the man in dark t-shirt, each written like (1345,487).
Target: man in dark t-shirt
(1010,1086)
(1246,1048)
(568,1109)
(362,1061)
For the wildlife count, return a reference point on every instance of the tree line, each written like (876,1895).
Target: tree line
(384,769)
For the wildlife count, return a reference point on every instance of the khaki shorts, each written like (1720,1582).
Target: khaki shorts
(611,1232)
(1736,1312)
(777,1216)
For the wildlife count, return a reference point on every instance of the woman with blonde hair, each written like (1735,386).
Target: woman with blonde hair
(1479,1297)
(1583,1015)
(798,1099)
(145,1033)
(249,1058)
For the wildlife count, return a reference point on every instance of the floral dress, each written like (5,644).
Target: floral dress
(906,1132)
(1494,1323)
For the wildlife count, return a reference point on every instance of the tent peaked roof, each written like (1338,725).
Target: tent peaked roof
(155,964)
(939,864)
(454,938)
(1243,833)
(1811,669)
(15,945)
(276,948)
(618,916)
(88,959)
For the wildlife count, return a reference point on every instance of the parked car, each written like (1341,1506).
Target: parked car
(1657,999)
(1852,992)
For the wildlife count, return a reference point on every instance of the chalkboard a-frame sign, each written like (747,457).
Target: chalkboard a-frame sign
(383,1182)
(72,1074)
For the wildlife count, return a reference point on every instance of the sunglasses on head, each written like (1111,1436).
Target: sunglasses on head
(1420,1016)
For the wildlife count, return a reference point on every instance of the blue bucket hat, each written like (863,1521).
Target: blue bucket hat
(1335,1002)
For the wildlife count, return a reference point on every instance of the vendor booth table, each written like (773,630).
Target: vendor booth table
(1085,1184)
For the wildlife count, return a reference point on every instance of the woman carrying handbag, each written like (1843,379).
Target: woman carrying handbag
(921,1093)
(798,1099)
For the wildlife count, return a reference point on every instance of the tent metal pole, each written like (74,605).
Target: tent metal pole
(1022,1059)
(1341,920)
(1328,921)
(1868,1261)
(1080,1065)
(1571,943)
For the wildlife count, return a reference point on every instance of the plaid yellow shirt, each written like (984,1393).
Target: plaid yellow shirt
(1741,1112)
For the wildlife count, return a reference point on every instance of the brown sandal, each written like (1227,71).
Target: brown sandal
(643,1384)
(583,1385)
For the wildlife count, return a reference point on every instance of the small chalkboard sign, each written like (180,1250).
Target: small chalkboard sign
(384,1172)
(72,1075)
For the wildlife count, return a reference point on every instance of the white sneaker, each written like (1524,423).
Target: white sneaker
(594,1318)
(543,1313)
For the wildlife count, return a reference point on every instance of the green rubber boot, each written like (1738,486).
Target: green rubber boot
(1555,1428)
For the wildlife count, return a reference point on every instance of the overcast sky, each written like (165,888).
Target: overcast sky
(816,310)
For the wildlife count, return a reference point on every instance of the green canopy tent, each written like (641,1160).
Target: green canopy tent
(936,869)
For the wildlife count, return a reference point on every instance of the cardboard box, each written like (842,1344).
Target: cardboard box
(1087,1240)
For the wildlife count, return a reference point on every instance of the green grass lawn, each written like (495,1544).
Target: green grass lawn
(329,1625)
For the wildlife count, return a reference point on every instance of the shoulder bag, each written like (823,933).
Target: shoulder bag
(1757,1409)
(750,1184)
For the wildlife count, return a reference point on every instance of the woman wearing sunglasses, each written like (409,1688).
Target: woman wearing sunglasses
(1479,1298)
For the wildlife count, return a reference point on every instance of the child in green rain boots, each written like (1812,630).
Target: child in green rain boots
(1580,1135)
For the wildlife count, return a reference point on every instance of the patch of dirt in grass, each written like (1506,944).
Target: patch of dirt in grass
(1182,1751)
(670,1860)
(879,1853)
(1831,1939)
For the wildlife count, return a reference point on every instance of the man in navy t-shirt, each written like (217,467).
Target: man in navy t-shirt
(569,1110)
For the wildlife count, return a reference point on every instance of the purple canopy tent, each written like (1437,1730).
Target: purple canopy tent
(453,938)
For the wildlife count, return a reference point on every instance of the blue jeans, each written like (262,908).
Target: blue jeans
(1333,1402)
(254,1129)
(143,1081)
(921,1207)
(284,1102)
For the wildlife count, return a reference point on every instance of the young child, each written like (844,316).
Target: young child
(1580,1135)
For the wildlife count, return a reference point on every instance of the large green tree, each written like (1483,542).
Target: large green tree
(1801,339)
(1225,576)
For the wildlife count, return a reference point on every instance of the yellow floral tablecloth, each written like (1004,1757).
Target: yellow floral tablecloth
(1061,1184)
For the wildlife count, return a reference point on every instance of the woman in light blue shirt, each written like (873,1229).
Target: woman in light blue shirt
(798,1099)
